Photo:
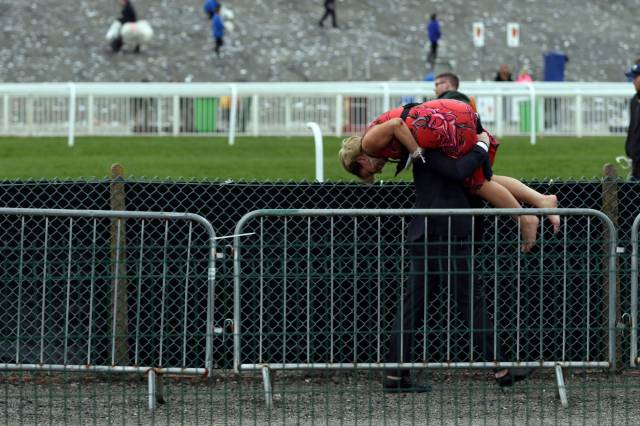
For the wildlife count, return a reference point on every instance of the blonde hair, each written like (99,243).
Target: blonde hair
(348,154)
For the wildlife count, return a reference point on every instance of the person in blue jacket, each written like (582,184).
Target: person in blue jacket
(210,6)
(217,30)
(434,34)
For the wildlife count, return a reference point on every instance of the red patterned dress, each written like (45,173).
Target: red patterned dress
(445,124)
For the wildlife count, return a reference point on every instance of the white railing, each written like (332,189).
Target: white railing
(260,109)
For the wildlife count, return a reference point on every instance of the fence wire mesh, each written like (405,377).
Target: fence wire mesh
(310,397)
(121,293)
(318,288)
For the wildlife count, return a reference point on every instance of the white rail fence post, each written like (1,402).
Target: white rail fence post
(317,139)
(176,116)
(339,115)
(233,114)
(5,114)
(532,94)
(72,115)
(579,121)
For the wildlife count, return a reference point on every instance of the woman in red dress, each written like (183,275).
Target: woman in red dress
(452,126)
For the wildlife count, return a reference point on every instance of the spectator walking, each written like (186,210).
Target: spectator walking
(217,30)
(127,14)
(632,144)
(329,9)
(210,6)
(504,73)
(434,34)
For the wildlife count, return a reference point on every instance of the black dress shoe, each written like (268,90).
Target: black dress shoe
(403,385)
(514,375)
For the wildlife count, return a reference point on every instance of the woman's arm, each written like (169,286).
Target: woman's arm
(379,136)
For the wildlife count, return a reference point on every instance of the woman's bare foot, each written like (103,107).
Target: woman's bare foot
(529,231)
(551,202)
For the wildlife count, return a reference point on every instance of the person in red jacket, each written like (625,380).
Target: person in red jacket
(452,126)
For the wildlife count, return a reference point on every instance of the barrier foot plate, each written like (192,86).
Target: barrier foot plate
(268,387)
(156,389)
(562,390)
(151,380)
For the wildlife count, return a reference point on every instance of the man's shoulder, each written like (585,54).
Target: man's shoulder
(456,95)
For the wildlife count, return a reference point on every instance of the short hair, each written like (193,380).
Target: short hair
(453,79)
(349,153)
(433,16)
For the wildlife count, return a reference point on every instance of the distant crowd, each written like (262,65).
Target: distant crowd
(128,30)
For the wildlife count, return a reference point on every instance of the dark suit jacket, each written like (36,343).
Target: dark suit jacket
(439,185)
(128,14)
(632,144)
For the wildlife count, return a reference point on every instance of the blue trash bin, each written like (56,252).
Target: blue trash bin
(554,62)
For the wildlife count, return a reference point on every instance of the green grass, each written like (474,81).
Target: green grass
(271,158)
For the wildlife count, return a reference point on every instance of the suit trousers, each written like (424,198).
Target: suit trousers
(432,266)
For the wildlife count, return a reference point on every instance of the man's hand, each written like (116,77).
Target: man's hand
(418,153)
(483,141)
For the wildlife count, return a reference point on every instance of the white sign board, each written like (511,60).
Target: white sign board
(513,34)
(478,34)
(486,108)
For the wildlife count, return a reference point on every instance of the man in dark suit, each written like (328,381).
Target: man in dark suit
(439,185)
(632,143)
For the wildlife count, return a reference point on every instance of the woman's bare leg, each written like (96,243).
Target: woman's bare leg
(530,196)
(501,197)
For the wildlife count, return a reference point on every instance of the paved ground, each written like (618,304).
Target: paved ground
(279,40)
(458,398)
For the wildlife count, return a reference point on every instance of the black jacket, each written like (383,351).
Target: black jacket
(632,144)
(128,14)
(439,185)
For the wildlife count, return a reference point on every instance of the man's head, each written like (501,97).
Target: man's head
(355,161)
(634,75)
(123,2)
(433,16)
(445,82)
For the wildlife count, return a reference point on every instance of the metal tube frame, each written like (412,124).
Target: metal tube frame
(612,271)
(634,292)
(97,214)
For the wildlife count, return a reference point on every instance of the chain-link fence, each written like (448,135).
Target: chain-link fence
(304,395)
(106,291)
(320,289)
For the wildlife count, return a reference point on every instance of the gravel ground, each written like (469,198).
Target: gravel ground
(279,40)
(457,398)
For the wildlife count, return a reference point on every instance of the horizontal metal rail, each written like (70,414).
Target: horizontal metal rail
(63,262)
(289,243)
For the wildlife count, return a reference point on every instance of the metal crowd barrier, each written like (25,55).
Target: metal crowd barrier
(107,291)
(634,360)
(318,289)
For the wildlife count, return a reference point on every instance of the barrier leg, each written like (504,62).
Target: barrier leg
(151,379)
(562,390)
(160,388)
(268,387)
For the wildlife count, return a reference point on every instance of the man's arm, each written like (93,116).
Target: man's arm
(460,169)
